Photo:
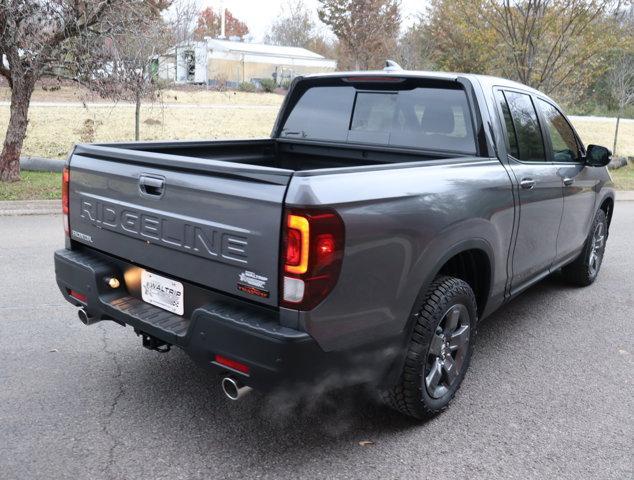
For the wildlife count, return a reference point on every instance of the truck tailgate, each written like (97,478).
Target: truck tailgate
(213,223)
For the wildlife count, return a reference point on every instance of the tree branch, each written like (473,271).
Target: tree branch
(74,27)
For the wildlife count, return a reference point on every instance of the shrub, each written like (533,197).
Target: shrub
(246,87)
(268,85)
(220,82)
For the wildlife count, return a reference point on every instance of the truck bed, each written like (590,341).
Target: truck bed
(279,154)
(206,212)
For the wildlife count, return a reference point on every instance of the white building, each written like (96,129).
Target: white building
(213,60)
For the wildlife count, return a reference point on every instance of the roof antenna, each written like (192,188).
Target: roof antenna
(391,65)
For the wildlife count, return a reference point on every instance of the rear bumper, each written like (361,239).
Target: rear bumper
(214,325)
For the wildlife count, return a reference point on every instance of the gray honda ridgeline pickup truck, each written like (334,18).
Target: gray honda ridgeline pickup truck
(387,215)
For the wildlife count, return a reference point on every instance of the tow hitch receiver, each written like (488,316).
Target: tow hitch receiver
(153,343)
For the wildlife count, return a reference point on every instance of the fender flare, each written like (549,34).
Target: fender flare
(455,249)
(396,366)
(601,200)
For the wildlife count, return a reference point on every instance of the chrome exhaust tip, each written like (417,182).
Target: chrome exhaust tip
(233,390)
(85,317)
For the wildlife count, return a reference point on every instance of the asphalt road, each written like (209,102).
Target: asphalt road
(548,395)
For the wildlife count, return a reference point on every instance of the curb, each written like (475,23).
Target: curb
(40,164)
(625,195)
(30,207)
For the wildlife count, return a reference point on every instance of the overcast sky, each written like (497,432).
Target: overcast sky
(258,14)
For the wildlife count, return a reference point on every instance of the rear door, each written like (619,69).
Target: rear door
(540,187)
(216,224)
(578,180)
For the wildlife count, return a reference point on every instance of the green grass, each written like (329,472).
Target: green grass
(624,177)
(33,186)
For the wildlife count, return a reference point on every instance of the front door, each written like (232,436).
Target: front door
(539,187)
(578,180)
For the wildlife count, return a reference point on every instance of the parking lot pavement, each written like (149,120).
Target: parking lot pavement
(549,393)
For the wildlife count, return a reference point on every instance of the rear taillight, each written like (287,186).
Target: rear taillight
(297,244)
(65,200)
(313,244)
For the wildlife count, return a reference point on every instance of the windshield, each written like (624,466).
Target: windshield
(427,118)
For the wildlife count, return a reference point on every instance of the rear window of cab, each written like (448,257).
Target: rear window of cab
(425,117)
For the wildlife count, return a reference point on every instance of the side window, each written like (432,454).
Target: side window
(562,137)
(510,128)
(530,143)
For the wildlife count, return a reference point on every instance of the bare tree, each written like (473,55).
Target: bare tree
(36,39)
(621,83)
(294,26)
(323,45)
(31,33)
(415,48)
(123,64)
(181,18)
(367,30)
(546,38)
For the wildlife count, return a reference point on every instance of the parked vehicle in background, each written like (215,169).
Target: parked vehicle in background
(386,216)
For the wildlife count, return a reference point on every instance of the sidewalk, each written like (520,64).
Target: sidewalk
(30,207)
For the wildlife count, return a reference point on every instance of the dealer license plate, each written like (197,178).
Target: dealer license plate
(162,292)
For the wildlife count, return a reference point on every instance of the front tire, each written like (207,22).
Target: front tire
(439,350)
(584,270)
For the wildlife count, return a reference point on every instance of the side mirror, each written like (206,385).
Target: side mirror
(597,156)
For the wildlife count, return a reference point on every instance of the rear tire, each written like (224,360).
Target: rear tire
(439,350)
(584,270)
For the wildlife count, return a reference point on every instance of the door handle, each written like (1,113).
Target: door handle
(527,183)
(568,181)
(151,186)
